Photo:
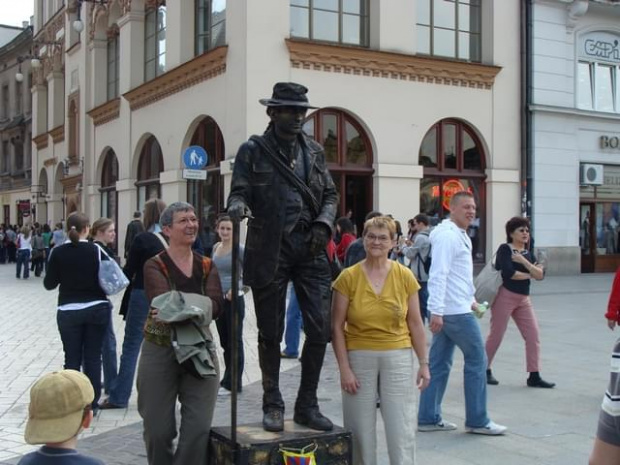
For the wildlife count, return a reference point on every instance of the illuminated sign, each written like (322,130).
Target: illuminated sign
(450,187)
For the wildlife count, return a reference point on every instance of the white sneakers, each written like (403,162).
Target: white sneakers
(491,429)
(441,426)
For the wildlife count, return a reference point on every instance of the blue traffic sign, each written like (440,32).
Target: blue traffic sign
(195,157)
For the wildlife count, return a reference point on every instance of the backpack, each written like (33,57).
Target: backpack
(426,262)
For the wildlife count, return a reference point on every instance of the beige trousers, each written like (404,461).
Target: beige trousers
(393,370)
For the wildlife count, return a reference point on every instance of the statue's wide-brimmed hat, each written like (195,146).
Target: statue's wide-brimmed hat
(288,94)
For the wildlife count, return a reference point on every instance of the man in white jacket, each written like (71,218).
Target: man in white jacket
(451,298)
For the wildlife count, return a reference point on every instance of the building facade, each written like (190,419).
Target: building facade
(576,148)
(16,199)
(418,99)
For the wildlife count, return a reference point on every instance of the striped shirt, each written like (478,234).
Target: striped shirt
(611,401)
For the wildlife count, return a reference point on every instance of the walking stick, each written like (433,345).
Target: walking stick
(234,352)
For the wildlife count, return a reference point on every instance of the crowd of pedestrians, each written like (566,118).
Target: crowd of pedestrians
(427,275)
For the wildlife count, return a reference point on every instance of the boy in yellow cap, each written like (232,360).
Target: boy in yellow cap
(60,407)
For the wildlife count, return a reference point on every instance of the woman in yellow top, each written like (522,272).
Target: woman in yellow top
(375,323)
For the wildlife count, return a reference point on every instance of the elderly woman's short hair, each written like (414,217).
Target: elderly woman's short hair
(168,214)
(381,222)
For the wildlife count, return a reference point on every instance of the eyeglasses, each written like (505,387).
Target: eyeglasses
(523,230)
(186,221)
(384,239)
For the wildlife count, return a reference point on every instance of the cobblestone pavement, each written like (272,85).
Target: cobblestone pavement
(546,427)
(30,346)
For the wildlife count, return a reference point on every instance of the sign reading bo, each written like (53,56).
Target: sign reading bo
(195,158)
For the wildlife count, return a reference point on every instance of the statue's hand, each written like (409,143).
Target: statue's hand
(319,238)
(238,210)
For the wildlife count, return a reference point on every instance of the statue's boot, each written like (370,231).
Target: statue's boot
(307,411)
(273,405)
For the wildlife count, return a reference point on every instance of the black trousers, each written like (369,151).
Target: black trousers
(311,278)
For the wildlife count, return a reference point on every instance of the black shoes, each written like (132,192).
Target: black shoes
(273,420)
(536,381)
(313,419)
(107,405)
(491,379)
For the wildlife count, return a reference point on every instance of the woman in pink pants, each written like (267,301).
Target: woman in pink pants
(517,266)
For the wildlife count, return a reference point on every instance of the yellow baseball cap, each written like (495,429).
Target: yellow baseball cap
(57,403)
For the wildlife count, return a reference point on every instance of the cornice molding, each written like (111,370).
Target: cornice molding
(107,112)
(201,68)
(50,161)
(58,134)
(41,141)
(364,62)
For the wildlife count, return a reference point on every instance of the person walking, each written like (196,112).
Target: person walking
(38,252)
(58,236)
(344,227)
(451,298)
(375,325)
(47,240)
(11,244)
(145,246)
(83,309)
(294,324)
(518,266)
(606,449)
(24,251)
(222,259)
(134,228)
(418,252)
(103,233)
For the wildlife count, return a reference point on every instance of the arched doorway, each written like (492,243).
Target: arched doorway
(109,196)
(349,158)
(208,196)
(150,164)
(453,160)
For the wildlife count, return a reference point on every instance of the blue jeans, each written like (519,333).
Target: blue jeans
(137,312)
(108,357)
(23,259)
(462,331)
(224,324)
(81,332)
(423,296)
(293,325)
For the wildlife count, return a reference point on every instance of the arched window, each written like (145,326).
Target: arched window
(150,165)
(109,176)
(208,196)
(453,161)
(349,159)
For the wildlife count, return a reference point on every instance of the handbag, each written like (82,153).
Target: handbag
(112,280)
(487,282)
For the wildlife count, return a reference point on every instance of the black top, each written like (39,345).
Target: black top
(146,245)
(504,263)
(75,268)
(54,456)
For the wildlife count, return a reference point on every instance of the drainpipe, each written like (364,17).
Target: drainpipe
(526,114)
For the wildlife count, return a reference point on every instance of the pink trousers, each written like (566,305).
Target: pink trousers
(508,304)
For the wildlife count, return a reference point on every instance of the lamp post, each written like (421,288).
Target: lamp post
(78,24)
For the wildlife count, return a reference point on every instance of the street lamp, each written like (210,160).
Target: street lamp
(78,24)
(34,63)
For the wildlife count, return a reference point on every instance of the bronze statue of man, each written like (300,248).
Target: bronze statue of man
(281,183)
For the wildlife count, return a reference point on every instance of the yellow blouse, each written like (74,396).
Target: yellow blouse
(377,321)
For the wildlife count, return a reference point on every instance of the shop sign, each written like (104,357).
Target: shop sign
(600,46)
(611,183)
(24,207)
(610,142)
(450,187)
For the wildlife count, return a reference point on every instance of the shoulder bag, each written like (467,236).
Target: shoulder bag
(487,282)
(112,280)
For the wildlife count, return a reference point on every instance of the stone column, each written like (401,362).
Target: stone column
(180,38)
(127,201)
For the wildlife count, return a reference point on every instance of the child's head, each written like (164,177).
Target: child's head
(60,404)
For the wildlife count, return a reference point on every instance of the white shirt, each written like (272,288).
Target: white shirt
(24,242)
(451,281)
